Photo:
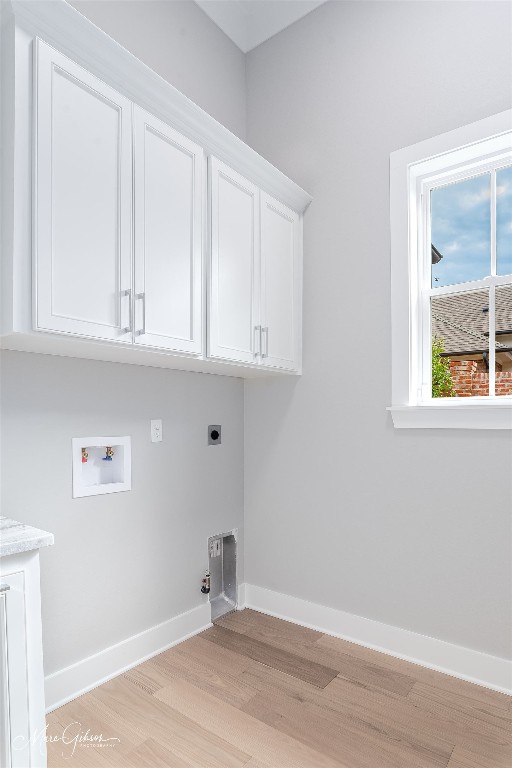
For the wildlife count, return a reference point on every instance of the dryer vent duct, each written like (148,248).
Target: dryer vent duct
(222,568)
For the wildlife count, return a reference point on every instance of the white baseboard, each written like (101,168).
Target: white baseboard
(241,597)
(73,681)
(454,660)
(464,663)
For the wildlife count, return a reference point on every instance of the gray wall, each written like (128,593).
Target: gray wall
(124,562)
(411,528)
(177,40)
(121,562)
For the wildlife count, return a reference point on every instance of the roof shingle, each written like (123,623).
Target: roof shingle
(461,320)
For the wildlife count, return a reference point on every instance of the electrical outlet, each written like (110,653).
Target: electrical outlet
(156,430)
(214,434)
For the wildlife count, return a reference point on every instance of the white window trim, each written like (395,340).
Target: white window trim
(407,171)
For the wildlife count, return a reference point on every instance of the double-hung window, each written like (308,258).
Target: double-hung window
(451,248)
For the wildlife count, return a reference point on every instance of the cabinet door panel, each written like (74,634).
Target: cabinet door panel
(5,715)
(82,202)
(168,242)
(233,267)
(15,674)
(280,284)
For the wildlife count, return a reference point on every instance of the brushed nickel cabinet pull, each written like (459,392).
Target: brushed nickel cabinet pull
(129,328)
(142,297)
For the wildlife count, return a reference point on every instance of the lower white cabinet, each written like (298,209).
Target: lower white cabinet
(255,274)
(22,710)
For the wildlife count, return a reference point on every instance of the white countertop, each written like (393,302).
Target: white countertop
(17,537)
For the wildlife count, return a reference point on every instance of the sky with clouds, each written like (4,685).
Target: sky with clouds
(461,224)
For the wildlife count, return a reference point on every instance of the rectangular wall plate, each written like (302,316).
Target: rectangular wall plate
(95,473)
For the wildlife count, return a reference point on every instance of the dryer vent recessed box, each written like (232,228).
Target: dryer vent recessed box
(101,465)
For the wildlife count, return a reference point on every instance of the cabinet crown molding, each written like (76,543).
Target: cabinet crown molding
(60,25)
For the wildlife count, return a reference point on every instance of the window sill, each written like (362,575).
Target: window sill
(481,416)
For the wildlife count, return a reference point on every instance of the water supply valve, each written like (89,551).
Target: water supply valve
(205,584)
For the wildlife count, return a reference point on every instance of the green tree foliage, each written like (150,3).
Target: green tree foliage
(442,382)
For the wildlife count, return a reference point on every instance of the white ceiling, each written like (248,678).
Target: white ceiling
(250,22)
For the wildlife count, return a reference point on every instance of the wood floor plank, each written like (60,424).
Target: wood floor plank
(151,754)
(214,657)
(384,712)
(340,732)
(179,734)
(438,699)
(81,715)
(462,758)
(292,664)
(358,748)
(372,675)
(147,676)
(417,672)
(82,711)
(57,757)
(274,749)
(307,645)
(216,678)
(62,751)
(447,726)
(257,692)
(269,629)
(365,707)
(462,714)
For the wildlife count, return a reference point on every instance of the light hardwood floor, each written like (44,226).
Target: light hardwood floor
(263,693)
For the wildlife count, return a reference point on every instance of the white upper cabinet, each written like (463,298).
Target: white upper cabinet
(255,274)
(280,285)
(233,285)
(125,238)
(82,202)
(168,236)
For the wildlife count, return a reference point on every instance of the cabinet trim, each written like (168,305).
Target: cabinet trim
(75,36)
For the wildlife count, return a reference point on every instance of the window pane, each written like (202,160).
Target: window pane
(504,221)
(461,231)
(503,340)
(460,344)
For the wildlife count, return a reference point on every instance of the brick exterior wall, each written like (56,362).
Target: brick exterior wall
(470,379)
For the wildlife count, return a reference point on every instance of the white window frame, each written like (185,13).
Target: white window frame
(414,171)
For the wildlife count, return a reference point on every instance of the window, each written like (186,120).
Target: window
(451,248)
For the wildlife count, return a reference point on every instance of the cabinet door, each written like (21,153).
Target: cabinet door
(233,276)
(280,285)
(82,202)
(168,236)
(21,676)
(5,715)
